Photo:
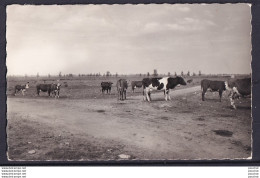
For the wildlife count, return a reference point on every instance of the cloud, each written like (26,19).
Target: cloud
(134,38)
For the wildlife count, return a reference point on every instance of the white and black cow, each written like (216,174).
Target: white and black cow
(238,87)
(165,84)
(136,84)
(22,88)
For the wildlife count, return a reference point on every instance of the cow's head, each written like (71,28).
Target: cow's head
(227,86)
(58,86)
(27,85)
(181,81)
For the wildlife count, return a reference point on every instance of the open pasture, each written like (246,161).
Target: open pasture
(84,124)
(88,87)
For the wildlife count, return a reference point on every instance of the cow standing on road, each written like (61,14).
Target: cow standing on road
(106,86)
(238,87)
(213,86)
(22,88)
(136,84)
(121,88)
(165,84)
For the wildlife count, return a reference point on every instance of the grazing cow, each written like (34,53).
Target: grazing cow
(106,86)
(53,89)
(165,84)
(136,84)
(238,87)
(213,86)
(22,88)
(121,88)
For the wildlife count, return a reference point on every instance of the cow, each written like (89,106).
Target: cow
(238,87)
(165,84)
(121,88)
(136,84)
(53,89)
(213,86)
(22,88)
(106,86)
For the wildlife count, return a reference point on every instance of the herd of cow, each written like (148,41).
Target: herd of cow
(52,89)
(236,87)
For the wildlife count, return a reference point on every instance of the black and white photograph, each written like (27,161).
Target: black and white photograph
(129,82)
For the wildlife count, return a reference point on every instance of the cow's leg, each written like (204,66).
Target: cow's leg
(169,97)
(144,95)
(203,94)
(148,94)
(232,102)
(165,95)
(220,95)
(23,92)
(125,94)
(121,94)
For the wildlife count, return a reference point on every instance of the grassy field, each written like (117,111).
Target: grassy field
(87,87)
(85,124)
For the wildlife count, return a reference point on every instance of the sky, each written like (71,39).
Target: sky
(128,39)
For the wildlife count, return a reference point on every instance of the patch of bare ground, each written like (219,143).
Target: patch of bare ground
(49,143)
(96,129)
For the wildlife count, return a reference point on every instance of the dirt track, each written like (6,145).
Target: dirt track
(94,129)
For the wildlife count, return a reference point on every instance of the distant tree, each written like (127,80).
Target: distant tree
(70,75)
(148,74)
(182,73)
(116,74)
(169,74)
(175,74)
(60,74)
(188,74)
(49,75)
(155,73)
(108,74)
(37,75)
(193,74)
(199,73)
(79,75)
(140,75)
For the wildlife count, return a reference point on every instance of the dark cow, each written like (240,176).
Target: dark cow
(238,87)
(53,89)
(106,86)
(165,84)
(136,84)
(121,88)
(22,88)
(213,86)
